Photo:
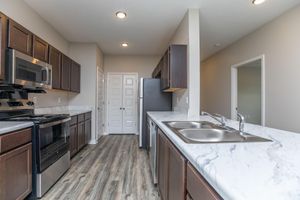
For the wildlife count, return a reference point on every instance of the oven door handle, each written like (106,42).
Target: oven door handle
(54,123)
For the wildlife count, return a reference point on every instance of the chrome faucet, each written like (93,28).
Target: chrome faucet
(221,119)
(241,123)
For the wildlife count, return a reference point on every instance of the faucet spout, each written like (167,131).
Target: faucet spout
(241,123)
(221,119)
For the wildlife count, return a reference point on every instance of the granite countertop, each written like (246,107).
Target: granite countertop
(7,126)
(244,171)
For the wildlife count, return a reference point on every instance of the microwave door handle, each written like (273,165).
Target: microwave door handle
(47,75)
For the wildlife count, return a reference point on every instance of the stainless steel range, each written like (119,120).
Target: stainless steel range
(51,151)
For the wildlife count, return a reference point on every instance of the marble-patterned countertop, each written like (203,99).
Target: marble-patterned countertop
(71,110)
(244,171)
(7,126)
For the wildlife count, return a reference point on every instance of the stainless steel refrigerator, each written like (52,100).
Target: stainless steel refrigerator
(151,98)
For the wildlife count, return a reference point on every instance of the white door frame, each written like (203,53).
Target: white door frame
(234,87)
(97,102)
(106,96)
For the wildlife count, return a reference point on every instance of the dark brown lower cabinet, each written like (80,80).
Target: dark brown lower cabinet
(16,173)
(81,135)
(73,140)
(80,132)
(87,129)
(177,179)
(197,186)
(177,169)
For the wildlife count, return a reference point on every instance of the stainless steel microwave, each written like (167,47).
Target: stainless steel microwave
(27,71)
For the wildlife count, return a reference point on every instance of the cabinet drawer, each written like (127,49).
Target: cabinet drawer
(80,118)
(15,139)
(73,120)
(87,116)
(197,186)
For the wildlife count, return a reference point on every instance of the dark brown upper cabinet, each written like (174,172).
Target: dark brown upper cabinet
(55,58)
(3,44)
(66,73)
(19,38)
(75,77)
(40,49)
(173,67)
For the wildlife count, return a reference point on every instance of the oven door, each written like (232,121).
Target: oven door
(28,71)
(53,142)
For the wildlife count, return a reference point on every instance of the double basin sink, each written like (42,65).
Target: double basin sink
(207,132)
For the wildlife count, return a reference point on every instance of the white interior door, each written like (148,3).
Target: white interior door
(115,103)
(129,104)
(122,103)
(100,103)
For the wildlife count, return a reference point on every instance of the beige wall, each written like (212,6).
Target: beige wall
(89,56)
(279,42)
(23,14)
(143,65)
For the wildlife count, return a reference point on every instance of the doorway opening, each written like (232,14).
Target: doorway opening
(248,90)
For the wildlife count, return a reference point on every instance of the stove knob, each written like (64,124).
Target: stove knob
(30,103)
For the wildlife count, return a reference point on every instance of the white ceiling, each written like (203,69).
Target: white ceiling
(151,24)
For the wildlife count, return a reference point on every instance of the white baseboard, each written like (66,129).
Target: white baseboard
(93,142)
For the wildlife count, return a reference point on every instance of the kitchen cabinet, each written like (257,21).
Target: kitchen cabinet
(171,170)
(87,127)
(55,58)
(197,186)
(66,73)
(80,132)
(40,49)
(75,77)
(16,165)
(3,44)
(73,140)
(19,38)
(177,178)
(172,69)
(81,135)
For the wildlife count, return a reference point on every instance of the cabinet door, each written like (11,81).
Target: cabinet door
(19,38)
(3,31)
(16,173)
(40,49)
(87,130)
(177,163)
(65,73)
(81,135)
(165,71)
(197,186)
(163,160)
(75,77)
(178,66)
(73,140)
(55,61)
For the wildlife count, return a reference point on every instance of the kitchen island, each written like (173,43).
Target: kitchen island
(242,171)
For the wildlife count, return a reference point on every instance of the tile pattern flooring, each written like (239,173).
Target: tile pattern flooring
(114,169)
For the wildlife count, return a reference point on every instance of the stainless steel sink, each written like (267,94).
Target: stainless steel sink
(190,124)
(206,132)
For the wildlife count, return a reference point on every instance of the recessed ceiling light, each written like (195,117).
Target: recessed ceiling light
(124,44)
(121,14)
(257,2)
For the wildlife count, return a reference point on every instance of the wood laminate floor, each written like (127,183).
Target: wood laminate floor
(114,169)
